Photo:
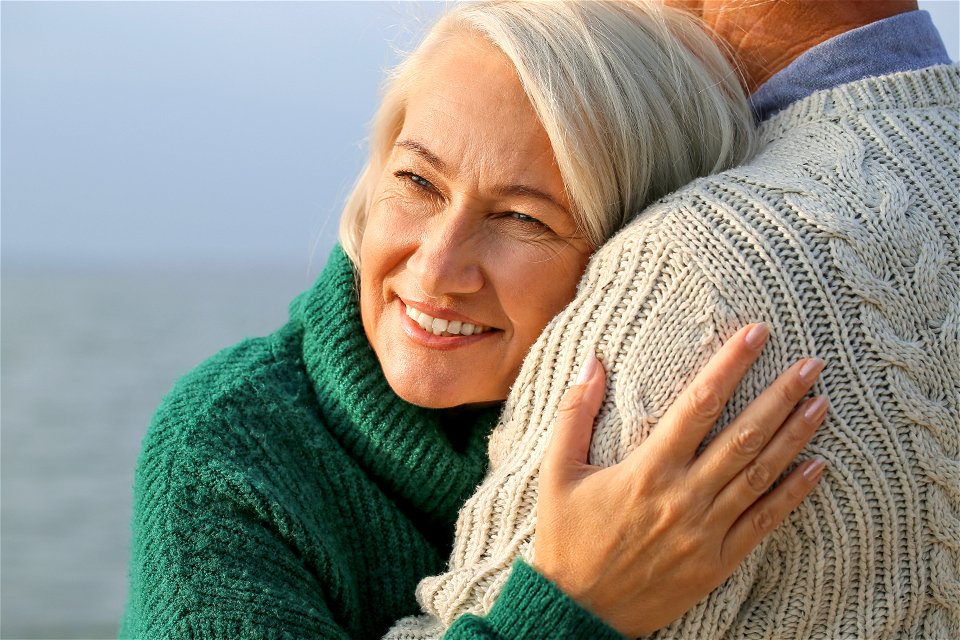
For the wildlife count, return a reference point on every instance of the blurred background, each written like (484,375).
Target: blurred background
(172,175)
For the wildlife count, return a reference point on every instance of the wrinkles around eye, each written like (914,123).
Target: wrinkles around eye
(527,227)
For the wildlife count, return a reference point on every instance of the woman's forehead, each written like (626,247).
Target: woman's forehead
(469,109)
(464,69)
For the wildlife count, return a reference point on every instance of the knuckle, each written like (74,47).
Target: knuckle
(705,401)
(548,471)
(796,437)
(571,401)
(794,497)
(749,440)
(762,522)
(672,501)
(758,477)
(786,394)
(639,485)
(670,514)
(687,546)
(794,493)
(639,482)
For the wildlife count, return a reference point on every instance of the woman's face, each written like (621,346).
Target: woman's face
(469,234)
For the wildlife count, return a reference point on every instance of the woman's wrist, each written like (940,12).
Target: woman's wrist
(532,607)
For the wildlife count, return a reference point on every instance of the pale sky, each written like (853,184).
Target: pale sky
(192,133)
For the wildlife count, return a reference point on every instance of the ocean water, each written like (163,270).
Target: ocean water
(86,357)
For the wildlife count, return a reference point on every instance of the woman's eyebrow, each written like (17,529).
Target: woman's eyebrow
(423,152)
(509,190)
(531,192)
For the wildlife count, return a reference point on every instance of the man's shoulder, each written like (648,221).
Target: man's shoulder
(839,149)
(930,93)
(829,198)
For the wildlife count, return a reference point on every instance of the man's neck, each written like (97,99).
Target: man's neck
(768,35)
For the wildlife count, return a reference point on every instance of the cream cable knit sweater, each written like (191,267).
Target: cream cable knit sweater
(844,235)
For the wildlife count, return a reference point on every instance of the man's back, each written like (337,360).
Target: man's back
(844,235)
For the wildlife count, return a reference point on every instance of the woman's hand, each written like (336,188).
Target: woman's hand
(641,542)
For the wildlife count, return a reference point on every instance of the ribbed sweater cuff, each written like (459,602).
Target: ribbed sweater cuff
(532,607)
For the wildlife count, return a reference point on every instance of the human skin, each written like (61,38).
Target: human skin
(767,35)
(470,223)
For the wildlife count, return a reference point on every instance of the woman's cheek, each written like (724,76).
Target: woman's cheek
(389,226)
(400,217)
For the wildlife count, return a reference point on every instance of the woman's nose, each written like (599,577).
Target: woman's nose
(447,260)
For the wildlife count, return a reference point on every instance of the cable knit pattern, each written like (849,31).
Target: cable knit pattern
(284,491)
(844,235)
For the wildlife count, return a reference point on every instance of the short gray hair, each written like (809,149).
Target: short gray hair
(636,98)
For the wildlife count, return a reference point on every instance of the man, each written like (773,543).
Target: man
(843,234)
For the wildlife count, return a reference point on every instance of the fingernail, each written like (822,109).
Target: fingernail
(816,409)
(814,469)
(757,335)
(588,368)
(810,369)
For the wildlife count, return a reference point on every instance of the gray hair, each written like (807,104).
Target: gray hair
(636,98)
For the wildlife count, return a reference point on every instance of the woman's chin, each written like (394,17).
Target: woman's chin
(442,395)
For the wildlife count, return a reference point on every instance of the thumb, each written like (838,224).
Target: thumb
(573,430)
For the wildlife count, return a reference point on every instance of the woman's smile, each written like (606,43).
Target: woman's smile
(443,322)
(439,333)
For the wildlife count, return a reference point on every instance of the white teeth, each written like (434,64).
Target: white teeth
(425,322)
(439,326)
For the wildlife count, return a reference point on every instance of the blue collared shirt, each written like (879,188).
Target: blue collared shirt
(903,42)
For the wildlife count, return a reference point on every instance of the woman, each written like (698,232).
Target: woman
(301,484)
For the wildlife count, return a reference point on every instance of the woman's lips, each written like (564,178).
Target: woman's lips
(443,326)
(444,339)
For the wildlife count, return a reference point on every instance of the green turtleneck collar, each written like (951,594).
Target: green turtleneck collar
(408,448)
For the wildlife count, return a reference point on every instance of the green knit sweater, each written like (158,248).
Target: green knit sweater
(284,491)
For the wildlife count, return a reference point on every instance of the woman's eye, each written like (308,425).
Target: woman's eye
(423,182)
(522,217)
(420,181)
